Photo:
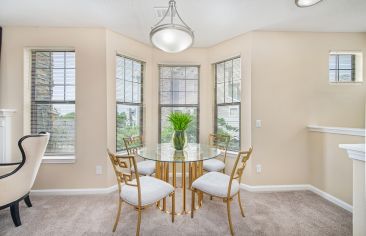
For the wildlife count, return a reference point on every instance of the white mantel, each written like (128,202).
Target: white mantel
(357,153)
(5,134)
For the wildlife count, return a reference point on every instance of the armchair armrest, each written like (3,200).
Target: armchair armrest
(10,164)
(7,169)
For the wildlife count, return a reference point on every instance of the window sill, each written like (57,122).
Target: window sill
(346,83)
(58,159)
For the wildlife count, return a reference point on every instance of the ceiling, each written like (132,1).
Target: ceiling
(213,21)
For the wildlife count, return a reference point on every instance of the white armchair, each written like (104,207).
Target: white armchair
(16,179)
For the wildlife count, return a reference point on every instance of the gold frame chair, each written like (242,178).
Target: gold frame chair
(220,141)
(119,163)
(132,145)
(236,173)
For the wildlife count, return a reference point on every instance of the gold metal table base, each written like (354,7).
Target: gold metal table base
(195,170)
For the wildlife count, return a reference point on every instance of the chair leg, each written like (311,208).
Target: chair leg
(193,201)
(118,214)
(28,201)
(229,216)
(14,211)
(138,222)
(241,208)
(173,206)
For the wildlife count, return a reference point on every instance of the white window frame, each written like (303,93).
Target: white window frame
(54,159)
(358,74)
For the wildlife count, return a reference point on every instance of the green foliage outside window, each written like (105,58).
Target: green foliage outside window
(125,129)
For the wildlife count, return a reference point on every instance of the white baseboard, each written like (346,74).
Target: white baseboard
(274,188)
(331,198)
(78,191)
(250,188)
(300,187)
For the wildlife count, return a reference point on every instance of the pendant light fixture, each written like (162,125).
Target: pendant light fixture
(171,36)
(307,3)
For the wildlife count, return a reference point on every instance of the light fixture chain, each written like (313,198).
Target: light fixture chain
(165,15)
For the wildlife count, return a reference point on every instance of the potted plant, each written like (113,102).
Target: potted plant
(180,122)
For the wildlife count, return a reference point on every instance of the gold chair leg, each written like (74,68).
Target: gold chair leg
(118,214)
(241,208)
(229,216)
(173,206)
(193,201)
(138,222)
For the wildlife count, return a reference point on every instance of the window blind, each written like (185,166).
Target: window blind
(342,68)
(179,91)
(129,99)
(227,100)
(53,99)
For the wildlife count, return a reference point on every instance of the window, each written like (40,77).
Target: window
(227,100)
(179,89)
(345,67)
(53,99)
(129,99)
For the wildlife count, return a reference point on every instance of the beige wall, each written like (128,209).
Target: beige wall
(91,134)
(284,83)
(330,167)
(290,90)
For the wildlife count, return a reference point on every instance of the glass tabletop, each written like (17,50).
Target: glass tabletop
(165,152)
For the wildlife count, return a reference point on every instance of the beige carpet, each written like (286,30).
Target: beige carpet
(283,213)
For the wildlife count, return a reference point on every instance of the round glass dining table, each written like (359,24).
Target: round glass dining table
(191,158)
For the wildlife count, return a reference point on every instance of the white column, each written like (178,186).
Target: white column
(5,135)
(357,153)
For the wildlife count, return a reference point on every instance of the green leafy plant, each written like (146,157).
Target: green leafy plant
(179,120)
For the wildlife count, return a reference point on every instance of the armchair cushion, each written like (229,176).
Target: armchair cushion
(145,167)
(213,165)
(152,190)
(216,184)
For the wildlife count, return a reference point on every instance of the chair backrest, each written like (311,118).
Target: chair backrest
(239,166)
(20,181)
(132,144)
(220,141)
(33,148)
(123,171)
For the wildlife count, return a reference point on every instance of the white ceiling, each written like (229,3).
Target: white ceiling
(213,21)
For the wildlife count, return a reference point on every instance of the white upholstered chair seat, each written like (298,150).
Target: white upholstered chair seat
(213,165)
(216,184)
(152,190)
(145,167)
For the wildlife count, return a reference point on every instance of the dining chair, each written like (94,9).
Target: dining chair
(139,192)
(223,186)
(132,145)
(220,141)
(17,179)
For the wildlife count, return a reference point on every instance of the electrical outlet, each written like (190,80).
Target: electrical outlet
(259,168)
(98,170)
(258,123)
